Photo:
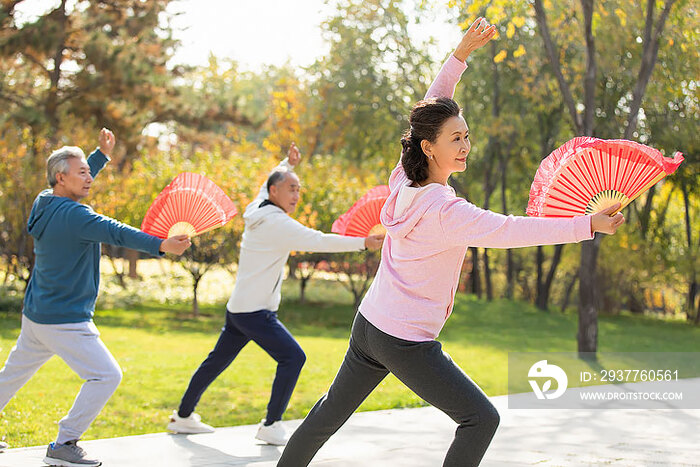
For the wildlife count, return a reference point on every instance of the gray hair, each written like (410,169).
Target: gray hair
(278,176)
(58,162)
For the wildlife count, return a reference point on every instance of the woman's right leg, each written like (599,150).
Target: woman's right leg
(230,343)
(359,374)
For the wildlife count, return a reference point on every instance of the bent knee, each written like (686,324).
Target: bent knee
(299,358)
(490,417)
(485,417)
(296,359)
(112,377)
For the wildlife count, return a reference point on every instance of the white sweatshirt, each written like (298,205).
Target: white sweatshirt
(268,237)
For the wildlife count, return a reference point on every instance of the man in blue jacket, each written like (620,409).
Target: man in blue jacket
(60,299)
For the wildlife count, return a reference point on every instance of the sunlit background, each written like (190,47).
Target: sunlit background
(255,33)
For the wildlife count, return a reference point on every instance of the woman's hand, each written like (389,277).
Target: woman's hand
(605,223)
(478,34)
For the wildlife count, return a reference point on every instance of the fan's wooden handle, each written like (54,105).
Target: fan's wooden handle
(182,228)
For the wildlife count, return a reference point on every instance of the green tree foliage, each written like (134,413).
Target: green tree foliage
(364,88)
(88,64)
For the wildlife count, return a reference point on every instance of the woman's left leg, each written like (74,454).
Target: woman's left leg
(431,374)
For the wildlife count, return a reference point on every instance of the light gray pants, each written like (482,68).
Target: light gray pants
(80,346)
(424,368)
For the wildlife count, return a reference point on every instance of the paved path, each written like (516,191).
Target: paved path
(420,437)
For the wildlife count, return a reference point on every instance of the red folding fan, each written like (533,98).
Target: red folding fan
(586,175)
(192,204)
(362,219)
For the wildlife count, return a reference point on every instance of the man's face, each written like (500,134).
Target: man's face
(285,194)
(76,182)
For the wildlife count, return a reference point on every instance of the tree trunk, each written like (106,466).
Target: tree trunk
(588,312)
(195,302)
(539,259)
(293,266)
(357,298)
(51,109)
(544,287)
(510,276)
(475,279)
(487,276)
(133,257)
(117,272)
(692,280)
(302,288)
(567,293)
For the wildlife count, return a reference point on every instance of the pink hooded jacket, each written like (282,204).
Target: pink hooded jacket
(428,232)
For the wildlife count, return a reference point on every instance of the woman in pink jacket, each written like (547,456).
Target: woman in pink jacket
(429,230)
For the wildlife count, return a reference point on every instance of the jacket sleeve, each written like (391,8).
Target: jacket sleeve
(446,80)
(443,86)
(94,227)
(262,193)
(465,224)
(97,160)
(295,236)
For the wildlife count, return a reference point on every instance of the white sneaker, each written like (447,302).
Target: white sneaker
(273,434)
(190,425)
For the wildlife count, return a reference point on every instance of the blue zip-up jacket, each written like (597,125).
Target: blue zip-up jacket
(67,237)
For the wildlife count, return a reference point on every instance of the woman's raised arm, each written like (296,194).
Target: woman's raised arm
(478,34)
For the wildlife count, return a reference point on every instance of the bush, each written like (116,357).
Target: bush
(11,299)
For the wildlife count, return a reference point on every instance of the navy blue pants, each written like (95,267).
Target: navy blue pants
(263,328)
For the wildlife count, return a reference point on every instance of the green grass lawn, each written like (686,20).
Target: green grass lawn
(159,346)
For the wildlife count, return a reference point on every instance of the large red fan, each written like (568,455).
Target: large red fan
(586,175)
(190,205)
(362,219)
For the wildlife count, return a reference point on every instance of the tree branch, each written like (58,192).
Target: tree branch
(37,62)
(649,55)
(12,98)
(591,68)
(550,48)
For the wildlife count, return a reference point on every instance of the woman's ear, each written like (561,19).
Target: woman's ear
(427,148)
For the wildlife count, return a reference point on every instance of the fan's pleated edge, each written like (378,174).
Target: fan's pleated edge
(558,160)
(340,225)
(188,183)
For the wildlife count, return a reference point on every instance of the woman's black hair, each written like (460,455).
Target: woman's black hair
(426,120)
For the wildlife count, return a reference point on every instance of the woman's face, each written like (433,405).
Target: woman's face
(448,154)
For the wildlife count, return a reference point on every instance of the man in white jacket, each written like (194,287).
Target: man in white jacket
(268,238)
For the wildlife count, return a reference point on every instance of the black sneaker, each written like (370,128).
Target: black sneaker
(69,455)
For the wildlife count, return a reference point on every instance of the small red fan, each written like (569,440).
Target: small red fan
(586,175)
(362,219)
(190,205)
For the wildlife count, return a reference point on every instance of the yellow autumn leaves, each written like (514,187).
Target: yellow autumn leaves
(515,23)
(500,56)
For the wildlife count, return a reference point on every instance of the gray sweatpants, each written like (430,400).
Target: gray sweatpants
(80,346)
(424,368)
